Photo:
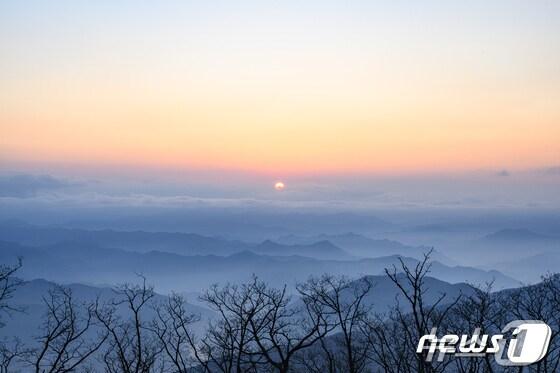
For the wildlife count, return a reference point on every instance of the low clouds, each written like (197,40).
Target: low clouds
(24,186)
(555,170)
(503,173)
(492,188)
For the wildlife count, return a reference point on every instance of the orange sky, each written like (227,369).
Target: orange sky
(269,93)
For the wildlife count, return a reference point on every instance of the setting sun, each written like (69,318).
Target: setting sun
(279,186)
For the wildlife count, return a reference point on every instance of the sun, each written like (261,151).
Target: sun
(279,186)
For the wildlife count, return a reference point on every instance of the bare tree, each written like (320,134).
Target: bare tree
(10,352)
(390,349)
(551,283)
(538,302)
(229,343)
(132,348)
(281,329)
(173,329)
(480,311)
(409,324)
(258,328)
(68,337)
(342,300)
(8,285)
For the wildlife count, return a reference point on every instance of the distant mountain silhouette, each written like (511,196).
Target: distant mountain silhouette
(362,246)
(384,292)
(30,295)
(321,250)
(178,243)
(530,269)
(518,236)
(181,243)
(74,262)
(513,245)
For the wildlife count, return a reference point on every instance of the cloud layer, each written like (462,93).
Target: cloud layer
(23,185)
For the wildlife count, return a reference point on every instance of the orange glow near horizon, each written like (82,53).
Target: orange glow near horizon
(325,140)
(286,99)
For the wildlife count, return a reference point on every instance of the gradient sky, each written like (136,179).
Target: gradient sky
(284,87)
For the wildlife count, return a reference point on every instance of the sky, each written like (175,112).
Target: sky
(282,90)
